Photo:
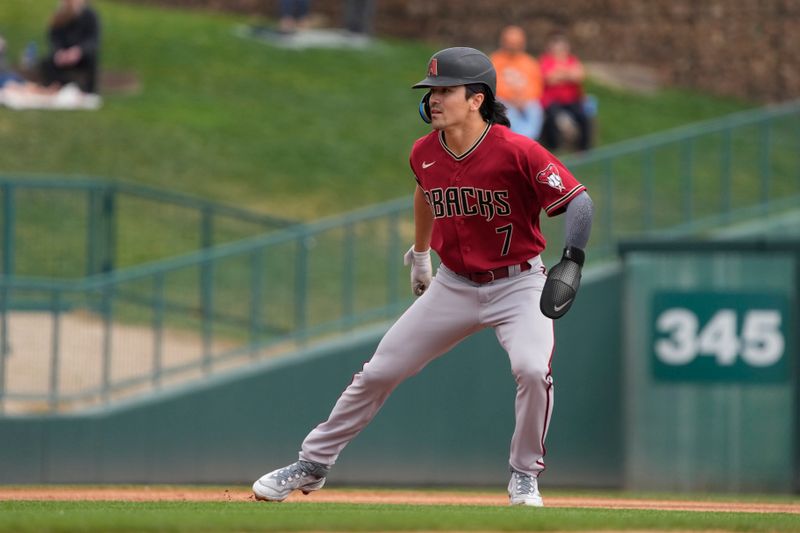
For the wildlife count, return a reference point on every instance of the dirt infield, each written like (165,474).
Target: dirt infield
(408,497)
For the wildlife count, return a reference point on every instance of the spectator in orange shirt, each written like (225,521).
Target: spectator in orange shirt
(519,83)
(563,96)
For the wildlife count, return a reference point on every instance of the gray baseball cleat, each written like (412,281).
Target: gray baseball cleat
(278,484)
(523,489)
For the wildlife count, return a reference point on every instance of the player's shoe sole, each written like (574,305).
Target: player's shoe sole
(530,502)
(276,486)
(267,493)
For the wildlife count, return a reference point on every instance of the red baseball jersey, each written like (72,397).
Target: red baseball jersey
(486,202)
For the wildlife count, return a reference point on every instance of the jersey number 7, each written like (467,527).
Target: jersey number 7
(508,229)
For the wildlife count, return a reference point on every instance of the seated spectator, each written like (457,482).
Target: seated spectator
(6,74)
(74,37)
(519,83)
(358,15)
(563,98)
(293,15)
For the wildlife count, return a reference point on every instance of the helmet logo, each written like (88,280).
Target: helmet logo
(433,67)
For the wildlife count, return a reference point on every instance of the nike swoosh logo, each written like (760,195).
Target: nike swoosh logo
(558,308)
(426,165)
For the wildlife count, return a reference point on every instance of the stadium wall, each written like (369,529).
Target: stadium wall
(449,425)
(633,408)
(743,49)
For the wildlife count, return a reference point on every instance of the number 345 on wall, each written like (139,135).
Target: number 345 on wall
(720,336)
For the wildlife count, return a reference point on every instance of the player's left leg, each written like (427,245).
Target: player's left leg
(527,336)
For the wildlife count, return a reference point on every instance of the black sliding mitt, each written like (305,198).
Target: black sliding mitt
(562,283)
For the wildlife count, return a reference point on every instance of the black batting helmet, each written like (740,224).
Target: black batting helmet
(459,66)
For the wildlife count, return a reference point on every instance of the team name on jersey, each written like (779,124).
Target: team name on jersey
(467,202)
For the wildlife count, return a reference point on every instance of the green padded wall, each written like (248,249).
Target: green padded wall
(713,421)
(449,425)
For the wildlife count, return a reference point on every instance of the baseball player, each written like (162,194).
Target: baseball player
(480,190)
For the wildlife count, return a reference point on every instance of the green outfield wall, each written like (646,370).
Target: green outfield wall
(675,370)
(711,389)
(450,424)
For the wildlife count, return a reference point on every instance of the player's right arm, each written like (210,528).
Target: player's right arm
(419,255)
(423,221)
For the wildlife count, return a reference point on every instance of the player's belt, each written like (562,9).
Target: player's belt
(498,273)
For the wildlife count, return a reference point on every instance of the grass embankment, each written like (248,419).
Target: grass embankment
(294,133)
(298,134)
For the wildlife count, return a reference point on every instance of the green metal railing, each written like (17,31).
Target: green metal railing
(695,177)
(59,228)
(186,316)
(145,326)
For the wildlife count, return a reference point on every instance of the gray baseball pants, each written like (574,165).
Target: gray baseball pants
(450,310)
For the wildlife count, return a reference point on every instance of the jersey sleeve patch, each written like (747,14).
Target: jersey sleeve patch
(557,206)
(550,176)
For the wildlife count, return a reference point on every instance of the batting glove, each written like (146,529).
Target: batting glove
(421,269)
(562,283)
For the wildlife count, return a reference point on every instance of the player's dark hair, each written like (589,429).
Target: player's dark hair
(491,110)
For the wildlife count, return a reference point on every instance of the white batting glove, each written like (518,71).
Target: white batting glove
(421,269)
